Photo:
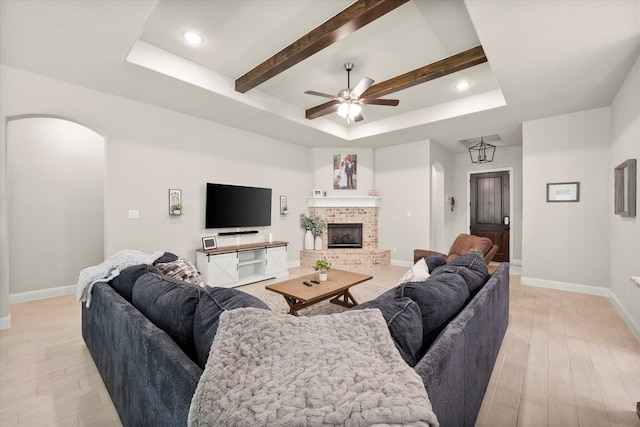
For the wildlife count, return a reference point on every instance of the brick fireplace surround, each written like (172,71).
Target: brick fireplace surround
(348,210)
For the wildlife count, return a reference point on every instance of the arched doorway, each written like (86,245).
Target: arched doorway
(55,195)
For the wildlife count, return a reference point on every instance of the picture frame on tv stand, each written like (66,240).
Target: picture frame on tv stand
(209,243)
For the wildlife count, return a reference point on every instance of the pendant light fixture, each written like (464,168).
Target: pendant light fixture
(482,152)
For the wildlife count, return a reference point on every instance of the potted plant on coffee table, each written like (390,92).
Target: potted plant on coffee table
(321,266)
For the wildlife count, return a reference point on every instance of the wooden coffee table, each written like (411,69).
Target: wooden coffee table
(299,296)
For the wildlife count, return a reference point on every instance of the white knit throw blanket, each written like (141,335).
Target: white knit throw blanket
(272,369)
(109,269)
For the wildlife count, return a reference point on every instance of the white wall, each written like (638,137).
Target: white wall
(447,160)
(624,254)
(55,199)
(148,151)
(403,181)
(505,158)
(567,242)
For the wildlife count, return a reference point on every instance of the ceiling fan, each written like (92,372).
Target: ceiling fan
(347,102)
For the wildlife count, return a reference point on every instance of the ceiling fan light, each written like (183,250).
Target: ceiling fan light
(354,110)
(343,109)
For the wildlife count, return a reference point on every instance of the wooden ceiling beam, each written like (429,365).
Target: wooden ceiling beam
(344,23)
(450,65)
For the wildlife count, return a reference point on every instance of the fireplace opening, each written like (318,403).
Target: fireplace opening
(344,235)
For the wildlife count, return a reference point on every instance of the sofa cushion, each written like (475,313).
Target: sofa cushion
(123,283)
(213,303)
(471,267)
(418,273)
(170,304)
(439,299)
(435,261)
(404,322)
(181,269)
(166,257)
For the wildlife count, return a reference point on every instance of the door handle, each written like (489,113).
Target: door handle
(506,221)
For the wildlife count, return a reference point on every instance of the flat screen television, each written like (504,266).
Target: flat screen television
(237,206)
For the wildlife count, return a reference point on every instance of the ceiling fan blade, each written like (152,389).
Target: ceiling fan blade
(378,101)
(326,95)
(358,118)
(362,85)
(322,109)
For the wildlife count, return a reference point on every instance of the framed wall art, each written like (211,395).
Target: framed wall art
(625,188)
(563,192)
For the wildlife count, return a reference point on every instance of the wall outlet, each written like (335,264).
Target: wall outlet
(408,213)
(134,214)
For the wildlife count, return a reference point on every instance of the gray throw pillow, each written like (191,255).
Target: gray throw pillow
(471,267)
(123,283)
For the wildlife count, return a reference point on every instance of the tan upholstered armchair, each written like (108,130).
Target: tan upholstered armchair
(461,246)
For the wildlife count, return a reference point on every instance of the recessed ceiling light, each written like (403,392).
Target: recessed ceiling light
(191,37)
(463,85)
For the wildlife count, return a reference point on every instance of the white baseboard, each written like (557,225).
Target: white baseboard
(5,322)
(517,262)
(401,263)
(42,294)
(589,290)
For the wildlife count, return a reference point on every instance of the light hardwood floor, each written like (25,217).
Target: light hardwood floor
(567,360)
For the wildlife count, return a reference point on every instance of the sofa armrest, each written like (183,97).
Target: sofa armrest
(424,253)
(489,255)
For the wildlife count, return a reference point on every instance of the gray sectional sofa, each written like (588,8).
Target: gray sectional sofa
(149,335)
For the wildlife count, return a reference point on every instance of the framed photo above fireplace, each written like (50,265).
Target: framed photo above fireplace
(345,171)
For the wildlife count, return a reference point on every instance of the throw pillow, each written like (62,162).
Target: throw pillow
(405,325)
(166,257)
(418,273)
(435,261)
(181,269)
(213,303)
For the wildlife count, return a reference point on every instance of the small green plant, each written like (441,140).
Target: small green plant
(176,207)
(313,223)
(322,265)
(475,251)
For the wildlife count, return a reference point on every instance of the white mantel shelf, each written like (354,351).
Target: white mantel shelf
(344,202)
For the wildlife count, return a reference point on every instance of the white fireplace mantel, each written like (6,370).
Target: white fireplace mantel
(344,202)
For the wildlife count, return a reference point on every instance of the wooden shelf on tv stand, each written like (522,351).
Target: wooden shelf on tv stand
(245,247)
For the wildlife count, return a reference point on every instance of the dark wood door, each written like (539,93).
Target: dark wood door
(490,210)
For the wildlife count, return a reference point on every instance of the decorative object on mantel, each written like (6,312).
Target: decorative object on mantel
(284,208)
(175,202)
(345,168)
(373,193)
(321,266)
(314,226)
(482,152)
(317,193)
(625,188)
(563,192)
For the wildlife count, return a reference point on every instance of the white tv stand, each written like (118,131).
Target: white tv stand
(231,266)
